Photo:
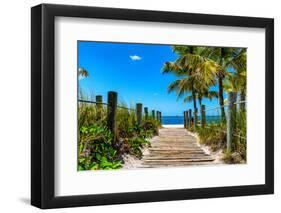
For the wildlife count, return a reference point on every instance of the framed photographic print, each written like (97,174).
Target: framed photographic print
(139,106)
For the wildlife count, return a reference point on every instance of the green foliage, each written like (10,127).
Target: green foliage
(134,136)
(232,158)
(95,149)
(150,127)
(240,143)
(89,114)
(213,135)
(95,145)
(136,143)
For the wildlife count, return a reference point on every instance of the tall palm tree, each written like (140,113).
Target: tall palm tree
(196,72)
(225,58)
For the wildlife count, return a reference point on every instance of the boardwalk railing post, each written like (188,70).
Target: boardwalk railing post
(99,106)
(145,112)
(139,112)
(190,117)
(184,119)
(153,113)
(111,113)
(195,118)
(160,117)
(157,116)
(203,116)
(231,114)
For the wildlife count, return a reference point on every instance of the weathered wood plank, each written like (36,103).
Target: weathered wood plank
(175,147)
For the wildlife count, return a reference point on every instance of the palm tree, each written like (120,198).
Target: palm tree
(203,71)
(239,63)
(196,73)
(182,85)
(82,72)
(225,58)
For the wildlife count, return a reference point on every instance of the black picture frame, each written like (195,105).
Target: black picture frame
(43,102)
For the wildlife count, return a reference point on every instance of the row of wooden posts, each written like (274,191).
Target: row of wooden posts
(112,99)
(191,119)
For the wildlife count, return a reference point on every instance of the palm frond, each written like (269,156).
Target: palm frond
(83,72)
(188,99)
(174,68)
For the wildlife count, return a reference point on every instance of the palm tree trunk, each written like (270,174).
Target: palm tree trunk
(194,100)
(200,106)
(221,101)
(194,105)
(200,103)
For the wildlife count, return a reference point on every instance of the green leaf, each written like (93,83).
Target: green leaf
(98,156)
(94,166)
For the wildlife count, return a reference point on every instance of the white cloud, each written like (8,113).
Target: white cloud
(135,57)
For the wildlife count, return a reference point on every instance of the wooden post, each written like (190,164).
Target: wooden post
(153,113)
(203,116)
(231,117)
(184,119)
(99,101)
(195,118)
(145,112)
(160,117)
(190,117)
(99,106)
(157,115)
(111,113)
(139,112)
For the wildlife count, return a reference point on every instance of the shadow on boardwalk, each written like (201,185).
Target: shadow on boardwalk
(175,147)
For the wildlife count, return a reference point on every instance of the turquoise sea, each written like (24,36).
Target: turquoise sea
(179,119)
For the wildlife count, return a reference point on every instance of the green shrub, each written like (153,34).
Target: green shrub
(136,143)
(150,126)
(232,157)
(240,143)
(213,135)
(95,149)
(95,145)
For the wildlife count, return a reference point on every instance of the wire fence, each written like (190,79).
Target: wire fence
(229,119)
(214,114)
(106,104)
(112,106)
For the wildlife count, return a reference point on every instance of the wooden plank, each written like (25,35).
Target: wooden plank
(175,147)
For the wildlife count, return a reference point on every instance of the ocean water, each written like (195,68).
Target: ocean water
(179,119)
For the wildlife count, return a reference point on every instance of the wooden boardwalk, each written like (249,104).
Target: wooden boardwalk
(175,147)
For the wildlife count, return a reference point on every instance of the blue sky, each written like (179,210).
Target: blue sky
(132,70)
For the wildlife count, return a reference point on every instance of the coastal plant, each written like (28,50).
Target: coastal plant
(95,149)
(136,144)
(213,135)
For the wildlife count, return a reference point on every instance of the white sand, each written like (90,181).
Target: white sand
(131,161)
(173,126)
